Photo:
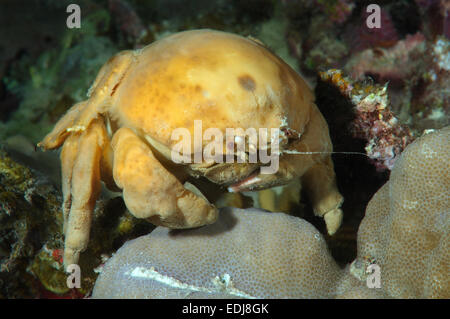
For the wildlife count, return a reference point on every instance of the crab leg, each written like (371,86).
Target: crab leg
(80,115)
(320,183)
(81,186)
(150,191)
(311,160)
(68,156)
(61,131)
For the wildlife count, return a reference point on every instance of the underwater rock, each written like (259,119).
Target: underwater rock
(314,32)
(360,37)
(31,239)
(398,63)
(18,39)
(418,73)
(29,217)
(350,287)
(130,25)
(47,68)
(374,121)
(406,228)
(337,11)
(430,102)
(245,254)
(435,17)
(325,50)
(56,79)
(317,46)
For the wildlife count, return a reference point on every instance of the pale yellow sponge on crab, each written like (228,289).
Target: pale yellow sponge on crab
(123,134)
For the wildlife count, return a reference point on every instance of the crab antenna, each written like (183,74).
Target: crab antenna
(312,153)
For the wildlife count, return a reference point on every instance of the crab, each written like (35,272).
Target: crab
(123,133)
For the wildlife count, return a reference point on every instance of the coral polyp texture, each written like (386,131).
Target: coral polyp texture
(406,227)
(351,286)
(245,254)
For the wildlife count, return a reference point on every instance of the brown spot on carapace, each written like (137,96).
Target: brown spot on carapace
(247,82)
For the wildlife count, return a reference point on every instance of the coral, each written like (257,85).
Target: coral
(418,73)
(406,227)
(59,77)
(320,45)
(393,64)
(374,121)
(47,68)
(337,11)
(326,53)
(18,39)
(251,253)
(27,201)
(269,34)
(313,35)
(401,52)
(31,232)
(426,3)
(430,100)
(436,17)
(129,23)
(350,287)
(246,253)
(361,37)
(46,266)
(441,53)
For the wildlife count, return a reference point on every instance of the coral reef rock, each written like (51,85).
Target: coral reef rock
(406,227)
(351,287)
(374,121)
(245,254)
(29,218)
(31,225)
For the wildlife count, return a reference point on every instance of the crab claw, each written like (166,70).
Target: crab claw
(318,181)
(259,181)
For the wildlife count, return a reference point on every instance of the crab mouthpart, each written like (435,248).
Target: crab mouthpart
(246,183)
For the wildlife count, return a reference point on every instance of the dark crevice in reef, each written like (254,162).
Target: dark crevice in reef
(357,177)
